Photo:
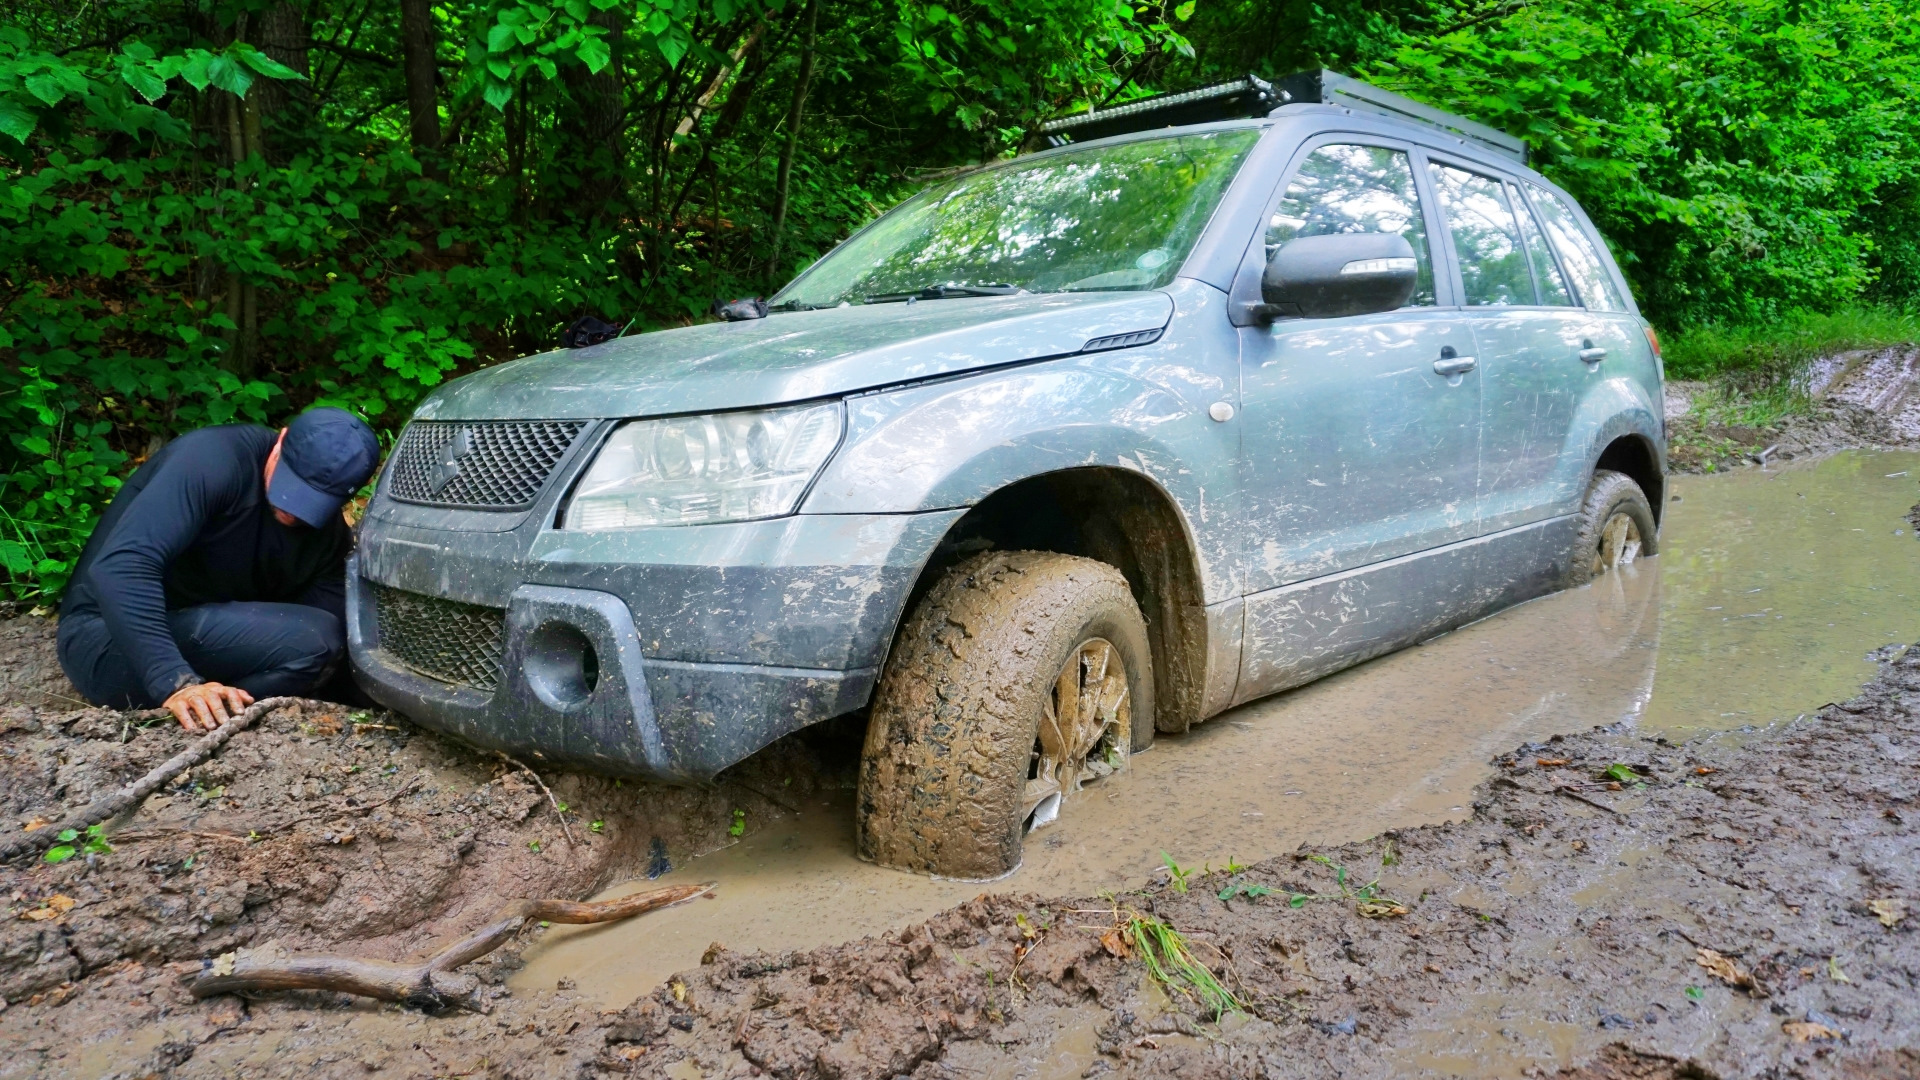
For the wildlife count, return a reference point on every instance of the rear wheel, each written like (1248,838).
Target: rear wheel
(1616,527)
(1019,679)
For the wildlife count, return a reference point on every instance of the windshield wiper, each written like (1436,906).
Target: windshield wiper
(944,292)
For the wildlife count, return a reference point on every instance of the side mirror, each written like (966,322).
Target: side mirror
(1325,277)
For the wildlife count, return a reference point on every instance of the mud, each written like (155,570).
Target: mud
(1736,908)
(321,828)
(1860,399)
(1567,926)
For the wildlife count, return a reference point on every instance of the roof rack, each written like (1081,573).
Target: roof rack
(1250,96)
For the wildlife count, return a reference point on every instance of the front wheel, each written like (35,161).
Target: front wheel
(1616,527)
(1020,678)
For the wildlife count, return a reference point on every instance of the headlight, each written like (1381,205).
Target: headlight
(695,469)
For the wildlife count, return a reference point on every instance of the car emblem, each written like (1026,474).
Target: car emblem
(448,470)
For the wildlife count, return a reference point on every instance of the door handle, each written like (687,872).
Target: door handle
(1592,355)
(1453,365)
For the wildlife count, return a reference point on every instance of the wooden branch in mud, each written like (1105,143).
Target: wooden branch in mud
(111,806)
(430,984)
(555,803)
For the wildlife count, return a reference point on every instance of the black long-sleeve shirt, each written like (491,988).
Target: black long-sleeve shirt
(192,526)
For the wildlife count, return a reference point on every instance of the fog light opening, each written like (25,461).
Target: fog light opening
(561,665)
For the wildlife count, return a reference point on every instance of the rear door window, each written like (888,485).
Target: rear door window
(1350,188)
(1546,273)
(1577,252)
(1486,238)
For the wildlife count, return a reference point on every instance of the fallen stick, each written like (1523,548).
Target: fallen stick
(111,806)
(429,985)
(555,803)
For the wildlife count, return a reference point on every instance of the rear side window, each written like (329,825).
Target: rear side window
(1546,273)
(1486,238)
(1348,188)
(1578,253)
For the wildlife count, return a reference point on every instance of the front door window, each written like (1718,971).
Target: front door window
(1348,188)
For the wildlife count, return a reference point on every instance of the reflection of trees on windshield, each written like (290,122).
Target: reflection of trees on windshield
(1493,268)
(1117,217)
(1355,189)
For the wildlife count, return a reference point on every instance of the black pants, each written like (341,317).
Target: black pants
(265,649)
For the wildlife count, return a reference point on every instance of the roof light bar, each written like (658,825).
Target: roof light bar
(1252,97)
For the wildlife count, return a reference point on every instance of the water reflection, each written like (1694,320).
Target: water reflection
(1745,628)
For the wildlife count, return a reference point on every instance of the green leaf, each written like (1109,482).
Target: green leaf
(1297,900)
(46,87)
(594,53)
(1184,11)
(14,556)
(501,38)
(15,121)
(67,835)
(144,81)
(264,64)
(59,853)
(1621,773)
(230,75)
(497,94)
(197,69)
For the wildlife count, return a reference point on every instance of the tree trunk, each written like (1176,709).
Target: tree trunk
(795,114)
(595,121)
(281,32)
(423,78)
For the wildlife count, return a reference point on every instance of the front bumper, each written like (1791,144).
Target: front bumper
(706,643)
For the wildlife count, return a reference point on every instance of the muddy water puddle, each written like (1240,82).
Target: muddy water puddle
(1772,589)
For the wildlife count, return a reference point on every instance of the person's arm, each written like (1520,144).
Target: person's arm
(128,575)
(329,593)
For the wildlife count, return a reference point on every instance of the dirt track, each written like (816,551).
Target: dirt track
(1869,398)
(1555,926)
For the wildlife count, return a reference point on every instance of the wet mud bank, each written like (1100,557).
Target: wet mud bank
(1867,398)
(322,828)
(1616,905)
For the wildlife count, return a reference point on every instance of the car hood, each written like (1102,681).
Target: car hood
(792,356)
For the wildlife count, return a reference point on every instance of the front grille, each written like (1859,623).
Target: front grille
(479,465)
(442,639)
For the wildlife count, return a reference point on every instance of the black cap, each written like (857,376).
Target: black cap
(327,455)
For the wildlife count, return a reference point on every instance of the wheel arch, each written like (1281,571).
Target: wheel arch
(1635,455)
(1119,517)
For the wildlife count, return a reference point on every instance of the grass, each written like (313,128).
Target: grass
(1762,354)
(1758,371)
(1171,964)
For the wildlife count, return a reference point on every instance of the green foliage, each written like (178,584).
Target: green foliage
(1170,962)
(1176,876)
(203,222)
(92,842)
(1745,159)
(1776,352)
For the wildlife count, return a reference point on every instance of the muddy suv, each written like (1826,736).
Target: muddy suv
(1083,446)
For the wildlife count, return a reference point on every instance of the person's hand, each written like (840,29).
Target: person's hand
(205,706)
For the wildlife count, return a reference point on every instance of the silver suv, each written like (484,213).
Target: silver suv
(1066,451)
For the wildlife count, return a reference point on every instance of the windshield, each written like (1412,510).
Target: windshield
(1110,217)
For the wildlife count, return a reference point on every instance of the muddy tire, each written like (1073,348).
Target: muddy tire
(995,689)
(1616,527)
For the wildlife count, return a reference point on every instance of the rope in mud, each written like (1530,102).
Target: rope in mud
(110,806)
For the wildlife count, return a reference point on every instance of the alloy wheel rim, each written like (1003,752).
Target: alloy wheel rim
(1619,545)
(1086,729)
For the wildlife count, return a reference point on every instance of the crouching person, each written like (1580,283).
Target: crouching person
(218,574)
